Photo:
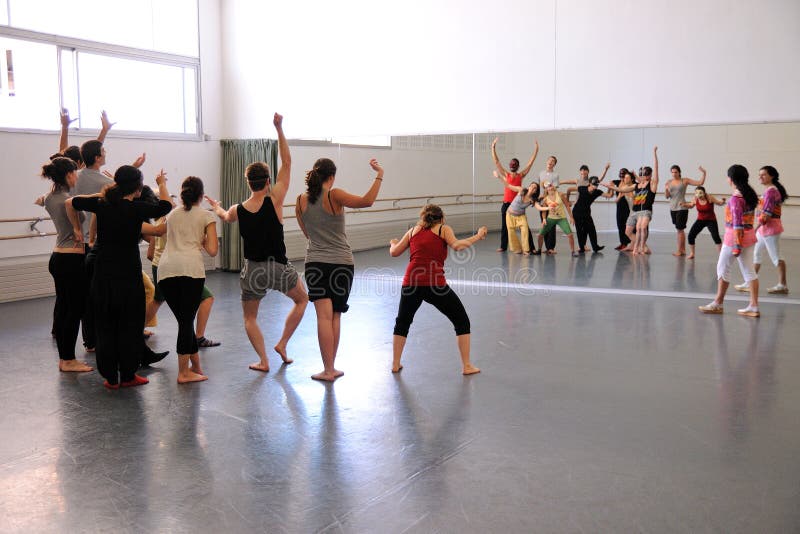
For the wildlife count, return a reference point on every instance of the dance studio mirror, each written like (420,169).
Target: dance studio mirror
(456,172)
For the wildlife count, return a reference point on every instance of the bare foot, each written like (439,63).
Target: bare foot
(647,250)
(470,370)
(282,351)
(73,366)
(337,373)
(501,250)
(326,376)
(397,369)
(690,257)
(263,367)
(190,377)
(678,254)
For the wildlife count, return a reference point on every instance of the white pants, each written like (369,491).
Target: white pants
(773,245)
(745,258)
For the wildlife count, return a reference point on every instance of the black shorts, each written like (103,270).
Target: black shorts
(330,281)
(679,218)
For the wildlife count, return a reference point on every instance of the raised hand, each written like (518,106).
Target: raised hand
(376,166)
(277,120)
(108,174)
(393,242)
(105,122)
(214,203)
(65,120)
(701,169)
(161,178)
(140,161)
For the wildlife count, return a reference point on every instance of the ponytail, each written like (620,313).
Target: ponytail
(773,173)
(739,176)
(57,171)
(323,169)
(191,191)
(431,214)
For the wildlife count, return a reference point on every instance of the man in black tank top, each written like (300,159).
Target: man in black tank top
(266,266)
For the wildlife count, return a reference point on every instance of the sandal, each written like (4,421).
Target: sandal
(204,342)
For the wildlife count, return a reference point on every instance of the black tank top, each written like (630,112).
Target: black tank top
(262,233)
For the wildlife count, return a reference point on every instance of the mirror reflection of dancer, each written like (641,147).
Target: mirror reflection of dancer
(516,218)
(550,175)
(329,259)
(644,194)
(704,203)
(675,191)
(424,281)
(738,242)
(588,191)
(266,265)
(770,228)
(624,203)
(556,206)
(512,178)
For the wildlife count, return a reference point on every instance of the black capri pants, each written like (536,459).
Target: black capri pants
(443,298)
(183,295)
(698,226)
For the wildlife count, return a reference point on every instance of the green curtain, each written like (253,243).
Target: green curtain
(237,154)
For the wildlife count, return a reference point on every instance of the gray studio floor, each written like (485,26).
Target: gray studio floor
(607,403)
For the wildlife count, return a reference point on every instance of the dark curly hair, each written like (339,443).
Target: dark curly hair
(323,169)
(57,171)
(191,191)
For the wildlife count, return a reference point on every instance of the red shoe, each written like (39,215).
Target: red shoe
(137,381)
(110,385)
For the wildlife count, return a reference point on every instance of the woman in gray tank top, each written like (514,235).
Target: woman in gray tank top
(329,265)
(675,191)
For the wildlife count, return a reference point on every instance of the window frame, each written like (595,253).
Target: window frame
(114,51)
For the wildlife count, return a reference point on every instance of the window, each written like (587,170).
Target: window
(139,61)
(164,26)
(28,85)
(154,94)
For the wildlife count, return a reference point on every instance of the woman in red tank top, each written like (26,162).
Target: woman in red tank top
(424,281)
(704,203)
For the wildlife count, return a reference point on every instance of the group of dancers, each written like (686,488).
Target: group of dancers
(104,217)
(752,224)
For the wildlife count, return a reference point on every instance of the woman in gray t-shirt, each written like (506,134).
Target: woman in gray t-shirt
(66,264)
(329,265)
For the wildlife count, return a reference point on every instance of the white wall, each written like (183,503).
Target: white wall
(426,66)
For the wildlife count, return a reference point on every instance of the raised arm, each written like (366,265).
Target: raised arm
(348,200)
(620,188)
(702,179)
(524,172)
(161,180)
(227,216)
(63,141)
(278,192)
(105,127)
(605,170)
(460,244)
(503,179)
(654,178)
(398,246)
(714,200)
(497,163)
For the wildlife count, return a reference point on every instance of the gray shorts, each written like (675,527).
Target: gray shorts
(259,276)
(636,215)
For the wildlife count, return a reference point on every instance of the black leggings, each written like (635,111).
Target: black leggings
(119,317)
(503,227)
(584,226)
(442,298)
(71,289)
(88,328)
(183,295)
(698,226)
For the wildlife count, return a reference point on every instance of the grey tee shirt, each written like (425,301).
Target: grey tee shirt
(54,204)
(90,182)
